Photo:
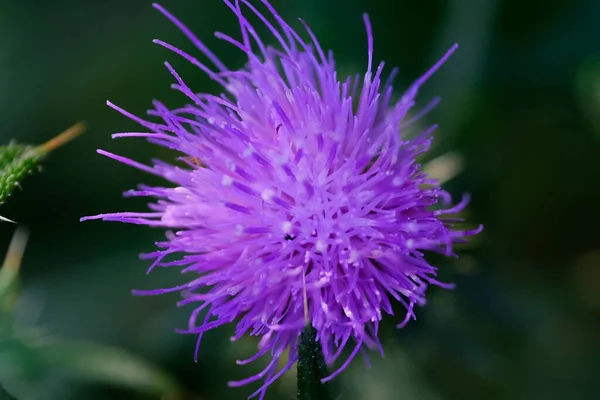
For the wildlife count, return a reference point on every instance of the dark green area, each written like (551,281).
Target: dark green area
(4,395)
(520,103)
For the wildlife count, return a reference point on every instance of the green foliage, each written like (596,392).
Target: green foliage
(106,365)
(29,357)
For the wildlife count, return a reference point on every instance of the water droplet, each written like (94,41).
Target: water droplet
(286,227)
(227,180)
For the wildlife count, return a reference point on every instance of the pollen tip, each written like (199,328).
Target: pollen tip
(103,152)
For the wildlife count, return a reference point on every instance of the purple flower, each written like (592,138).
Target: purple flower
(293,182)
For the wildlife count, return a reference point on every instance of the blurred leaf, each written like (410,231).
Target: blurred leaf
(21,368)
(4,395)
(10,269)
(109,365)
(25,360)
(588,89)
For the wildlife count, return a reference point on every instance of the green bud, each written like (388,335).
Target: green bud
(18,161)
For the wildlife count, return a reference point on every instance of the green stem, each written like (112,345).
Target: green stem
(312,368)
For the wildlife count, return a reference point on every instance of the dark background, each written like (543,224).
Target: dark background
(520,105)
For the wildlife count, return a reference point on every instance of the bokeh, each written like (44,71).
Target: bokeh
(520,110)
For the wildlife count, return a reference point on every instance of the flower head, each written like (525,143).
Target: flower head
(296,186)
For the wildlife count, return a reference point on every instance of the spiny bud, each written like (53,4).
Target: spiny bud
(16,162)
(19,160)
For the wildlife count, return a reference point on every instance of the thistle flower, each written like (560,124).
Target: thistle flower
(294,182)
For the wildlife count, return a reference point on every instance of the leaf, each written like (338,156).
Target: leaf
(9,273)
(108,365)
(4,394)
(312,368)
(21,369)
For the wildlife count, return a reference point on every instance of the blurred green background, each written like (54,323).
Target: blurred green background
(520,105)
